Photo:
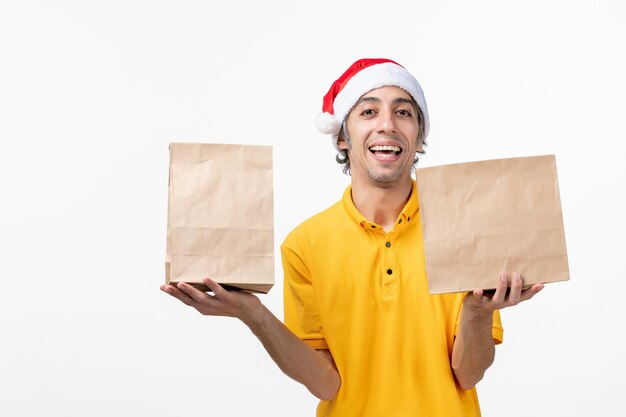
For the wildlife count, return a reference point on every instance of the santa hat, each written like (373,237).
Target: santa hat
(363,76)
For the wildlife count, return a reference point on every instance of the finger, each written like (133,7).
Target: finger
(530,293)
(501,287)
(217,289)
(516,289)
(168,288)
(478,296)
(195,294)
(176,293)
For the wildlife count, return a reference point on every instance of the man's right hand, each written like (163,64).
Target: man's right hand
(237,304)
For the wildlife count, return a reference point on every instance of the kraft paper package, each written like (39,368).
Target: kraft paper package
(220,216)
(483,218)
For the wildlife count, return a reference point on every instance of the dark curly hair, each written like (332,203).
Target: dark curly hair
(342,157)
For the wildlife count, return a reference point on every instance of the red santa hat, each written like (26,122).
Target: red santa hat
(363,76)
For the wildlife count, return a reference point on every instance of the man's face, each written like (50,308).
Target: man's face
(383,129)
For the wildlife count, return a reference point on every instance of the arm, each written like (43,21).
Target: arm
(314,369)
(473,351)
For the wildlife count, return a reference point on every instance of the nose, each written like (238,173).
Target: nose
(387,121)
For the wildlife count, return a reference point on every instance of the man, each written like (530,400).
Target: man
(361,331)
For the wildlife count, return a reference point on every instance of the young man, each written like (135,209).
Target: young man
(361,331)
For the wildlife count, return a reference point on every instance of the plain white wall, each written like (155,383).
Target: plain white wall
(91,93)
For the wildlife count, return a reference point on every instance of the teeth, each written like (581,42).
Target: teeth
(385,148)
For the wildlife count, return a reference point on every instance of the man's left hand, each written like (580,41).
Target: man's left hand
(478,302)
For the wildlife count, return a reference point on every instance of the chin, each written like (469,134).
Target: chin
(385,179)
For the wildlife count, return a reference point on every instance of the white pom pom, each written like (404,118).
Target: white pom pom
(328,124)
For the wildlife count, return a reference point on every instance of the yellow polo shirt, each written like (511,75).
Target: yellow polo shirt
(362,293)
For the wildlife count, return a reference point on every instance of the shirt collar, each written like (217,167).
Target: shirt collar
(408,213)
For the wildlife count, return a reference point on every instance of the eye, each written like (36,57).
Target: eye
(404,112)
(368,112)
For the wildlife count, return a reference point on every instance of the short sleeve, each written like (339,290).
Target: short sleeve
(497,331)
(301,310)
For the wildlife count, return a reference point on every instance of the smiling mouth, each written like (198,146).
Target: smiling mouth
(386,151)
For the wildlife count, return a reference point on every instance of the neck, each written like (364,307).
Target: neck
(381,205)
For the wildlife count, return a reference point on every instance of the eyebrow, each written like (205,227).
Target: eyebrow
(395,101)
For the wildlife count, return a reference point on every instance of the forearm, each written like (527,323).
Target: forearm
(316,370)
(295,358)
(474,349)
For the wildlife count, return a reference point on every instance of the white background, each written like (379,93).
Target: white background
(91,93)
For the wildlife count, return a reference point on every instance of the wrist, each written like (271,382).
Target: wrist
(476,314)
(254,316)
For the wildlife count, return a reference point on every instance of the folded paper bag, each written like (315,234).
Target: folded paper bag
(220,216)
(483,218)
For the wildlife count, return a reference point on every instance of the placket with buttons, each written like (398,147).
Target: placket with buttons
(388,274)
(390,265)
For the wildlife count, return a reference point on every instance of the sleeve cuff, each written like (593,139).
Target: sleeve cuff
(316,343)
(498,335)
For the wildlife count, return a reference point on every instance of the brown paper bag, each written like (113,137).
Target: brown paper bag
(220,216)
(483,218)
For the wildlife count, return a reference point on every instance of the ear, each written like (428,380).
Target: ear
(420,146)
(341,143)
